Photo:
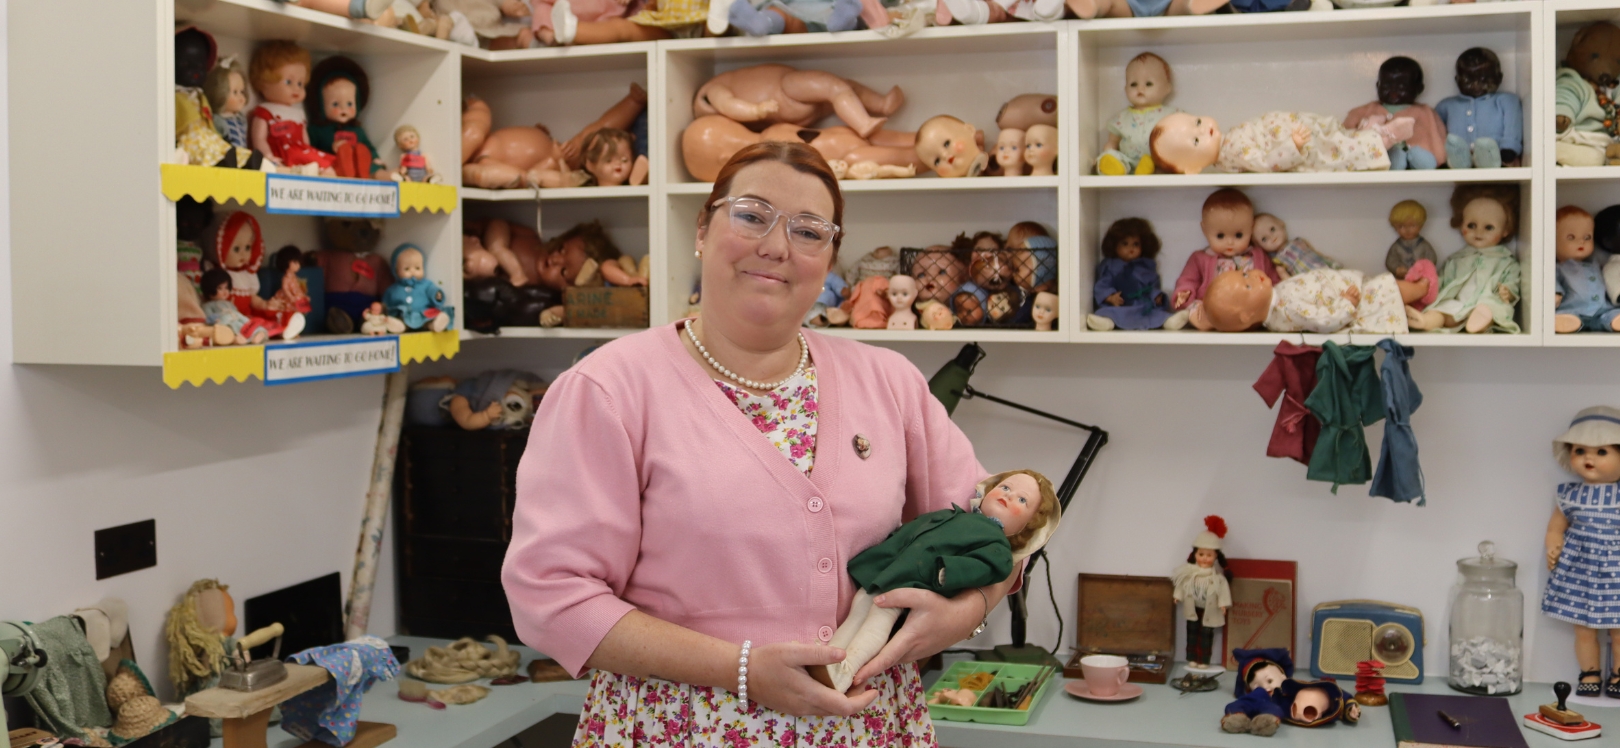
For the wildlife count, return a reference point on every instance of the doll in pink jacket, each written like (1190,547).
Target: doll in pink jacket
(1228,226)
(1400,81)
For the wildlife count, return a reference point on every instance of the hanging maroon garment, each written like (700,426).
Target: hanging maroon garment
(1291,377)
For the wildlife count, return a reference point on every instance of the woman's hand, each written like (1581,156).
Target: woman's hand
(934,623)
(777,680)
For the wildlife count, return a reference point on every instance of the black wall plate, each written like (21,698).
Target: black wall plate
(126,548)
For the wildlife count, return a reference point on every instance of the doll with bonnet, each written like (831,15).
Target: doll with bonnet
(1581,540)
(1203,590)
(238,250)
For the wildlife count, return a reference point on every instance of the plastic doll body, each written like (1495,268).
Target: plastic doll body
(1484,127)
(780,94)
(567,259)
(979,12)
(528,156)
(1127,8)
(567,27)
(1400,81)
(374,10)
(1408,218)
(1323,300)
(1027,110)
(1148,83)
(902,293)
(709,142)
(1578,534)
(375,321)
(953,148)
(1044,311)
(1276,141)
(783,16)
(414,166)
(1479,285)
(1288,257)
(1583,300)
(1010,152)
(1041,150)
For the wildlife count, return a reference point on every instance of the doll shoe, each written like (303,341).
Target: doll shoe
(1144,166)
(1177,320)
(1099,323)
(564,24)
(295,327)
(1110,165)
(1236,724)
(719,16)
(1264,725)
(1582,688)
(1611,689)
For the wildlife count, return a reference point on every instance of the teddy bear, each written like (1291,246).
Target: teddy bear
(355,275)
(1584,112)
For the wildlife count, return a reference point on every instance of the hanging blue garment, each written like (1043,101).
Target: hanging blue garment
(1399,477)
(328,713)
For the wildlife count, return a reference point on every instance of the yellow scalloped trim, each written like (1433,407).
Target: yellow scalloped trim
(426,346)
(241,186)
(428,198)
(217,365)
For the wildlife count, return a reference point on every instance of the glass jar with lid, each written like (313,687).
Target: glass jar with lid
(1487,626)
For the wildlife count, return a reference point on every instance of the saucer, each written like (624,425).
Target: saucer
(1078,688)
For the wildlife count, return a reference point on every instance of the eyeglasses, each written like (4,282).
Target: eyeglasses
(755,219)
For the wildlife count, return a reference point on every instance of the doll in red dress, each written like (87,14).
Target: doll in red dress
(280,71)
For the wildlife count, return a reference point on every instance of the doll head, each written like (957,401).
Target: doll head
(196,629)
(1591,446)
(1485,214)
(1129,239)
(1400,80)
(1407,218)
(989,264)
(562,257)
(216,285)
(1022,501)
(1184,143)
(1207,544)
(1264,669)
(902,291)
(1594,52)
(288,259)
(406,138)
(952,148)
(1227,222)
(375,310)
(1479,72)
(1044,310)
(1309,705)
(1238,300)
(939,271)
(1040,147)
(342,90)
(1270,233)
(1148,81)
(1575,229)
(1010,151)
(609,156)
(238,245)
(194,53)
(408,264)
(226,86)
(279,72)
(1018,236)
(934,315)
(1266,676)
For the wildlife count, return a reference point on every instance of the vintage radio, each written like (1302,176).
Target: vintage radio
(1345,632)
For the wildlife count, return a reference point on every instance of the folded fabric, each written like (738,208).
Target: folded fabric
(328,713)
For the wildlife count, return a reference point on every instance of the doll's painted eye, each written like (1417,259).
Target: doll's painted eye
(1603,452)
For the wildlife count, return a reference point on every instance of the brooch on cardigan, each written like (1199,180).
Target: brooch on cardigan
(863,447)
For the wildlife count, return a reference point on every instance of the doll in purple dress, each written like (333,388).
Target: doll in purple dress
(1127,293)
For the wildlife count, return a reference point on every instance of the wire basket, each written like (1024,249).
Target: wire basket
(988,289)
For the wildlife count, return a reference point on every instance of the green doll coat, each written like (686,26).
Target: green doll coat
(1470,278)
(945,551)
(1347,398)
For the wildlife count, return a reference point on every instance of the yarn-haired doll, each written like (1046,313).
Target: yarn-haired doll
(1581,540)
(1128,293)
(1203,588)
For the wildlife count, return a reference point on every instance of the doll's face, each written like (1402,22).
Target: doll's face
(1409,230)
(1484,223)
(236,100)
(1574,237)
(1010,148)
(1040,145)
(992,268)
(293,266)
(240,251)
(559,269)
(1044,310)
(1188,143)
(951,148)
(1266,678)
(1595,464)
(1228,230)
(936,316)
(221,292)
(338,100)
(1398,85)
(1204,557)
(1013,501)
(375,309)
(613,169)
(902,291)
(1147,83)
(408,140)
(1270,232)
(1237,300)
(1129,248)
(1310,704)
(1478,79)
(288,87)
(409,266)
(938,278)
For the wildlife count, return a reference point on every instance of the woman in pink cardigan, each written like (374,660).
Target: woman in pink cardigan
(692,495)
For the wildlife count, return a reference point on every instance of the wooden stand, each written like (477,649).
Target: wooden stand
(247,714)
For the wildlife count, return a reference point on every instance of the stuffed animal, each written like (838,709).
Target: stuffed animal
(355,276)
(1584,119)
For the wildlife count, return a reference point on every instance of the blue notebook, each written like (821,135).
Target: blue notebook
(1485,721)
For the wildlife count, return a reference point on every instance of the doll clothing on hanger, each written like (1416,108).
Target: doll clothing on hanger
(1290,378)
(1300,257)
(1346,400)
(1471,277)
(1202,267)
(1146,305)
(1581,284)
(1399,477)
(1580,589)
(1133,126)
(288,140)
(1266,144)
(1428,132)
(328,713)
(1315,301)
(1405,254)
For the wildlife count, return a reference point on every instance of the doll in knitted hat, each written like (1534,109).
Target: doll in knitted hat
(1203,588)
(1581,536)
(413,299)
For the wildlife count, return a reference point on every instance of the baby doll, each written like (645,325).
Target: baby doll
(195,138)
(291,297)
(827,312)
(934,315)
(1010,152)
(1040,150)
(414,166)
(783,16)
(953,148)
(990,270)
(1127,291)
(1479,284)
(1407,218)
(940,271)
(1204,592)
(1485,128)
(238,250)
(375,321)
(1127,8)
(609,160)
(1580,545)
(946,552)
(1583,118)
(1185,143)
(279,72)
(1148,83)
(1044,311)
(1584,303)
(768,94)
(1228,226)
(226,89)
(1400,81)
(1268,696)
(902,292)
(342,89)
(1321,301)
(413,299)
(221,312)
(1288,257)
(564,259)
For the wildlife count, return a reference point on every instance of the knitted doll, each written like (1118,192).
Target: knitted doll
(1203,588)
(1128,292)
(1581,537)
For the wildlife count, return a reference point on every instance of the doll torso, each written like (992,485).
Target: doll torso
(1202,589)
(1133,126)
(1300,257)
(288,139)
(414,302)
(916,554)
(1578,100)
(1581,284)
(1266,144)
(224,312)
(244,289)
(1472,277)
(1137,281)
(233,127)
(1499,116)
(1581,587)
(1403,253)
(414,164)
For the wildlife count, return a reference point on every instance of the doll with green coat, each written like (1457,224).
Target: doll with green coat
(341,90)
(1479,284)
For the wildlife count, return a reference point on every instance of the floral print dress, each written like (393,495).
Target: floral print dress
(1266,143)
(622,710)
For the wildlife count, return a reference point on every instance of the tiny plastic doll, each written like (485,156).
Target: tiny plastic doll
(342,89)
(783,16)
(414,165)
(195,136)
(1010,152)
(1288,257)
(238,250)
(1323,300)
(934,315)
(413,299)
(1044,311)
(226,89)
(1128,292)
(1041,150)
(1400,82)
(1203,589)
(375,321)
(902,293)
(1408,218)
(946,552)
(1584,303)
(953,148)
(1485,127)
(1581,535)
(1148,83)
(1127,8)
(220,311)
(291,297)
(1185,143)
(279,73)
(1228,226)
(1268,696)
(1479,284)
(609,160)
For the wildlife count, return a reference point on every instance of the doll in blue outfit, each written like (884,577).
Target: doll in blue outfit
(1585,302)
(1485,127)
(1583,546)
(413,299)
(1268,696)
(1128,293)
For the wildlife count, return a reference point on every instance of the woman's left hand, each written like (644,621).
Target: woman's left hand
(934,624)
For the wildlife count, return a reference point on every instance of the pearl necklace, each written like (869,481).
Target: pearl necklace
(804,358)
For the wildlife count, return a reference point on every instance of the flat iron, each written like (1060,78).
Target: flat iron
(246,674)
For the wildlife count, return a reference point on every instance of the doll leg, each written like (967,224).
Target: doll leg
(881,105)
(969,12)
(863,646)
(1588,654)
(491,175)
(1576,154)
(1420,159)
(872,12)
(1413,291)
(615,30)
(498,240)
(1458,154)
(1397,157)
(1566,323)
(755,22)
(1487,154)
(816,86)
(1479,319)
(846,14)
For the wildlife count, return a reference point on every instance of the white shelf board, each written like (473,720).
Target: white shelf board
(590,58)
(914,184)
(266,19)
(938,40)
(958,335)
(1581,173)
(570,333)
(1289,179)
(1582,12)
(1583,340)
(1271,339)
(564,193)
(1236,28)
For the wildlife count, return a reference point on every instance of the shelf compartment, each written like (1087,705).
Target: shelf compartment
(265,19)
(593,58)
(243,186)
(621,192)
(1161,31)
(1292,179)
(241,362)
(1584,173)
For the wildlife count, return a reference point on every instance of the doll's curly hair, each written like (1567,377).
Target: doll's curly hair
(271,56)
(1506,195)
(964,245)
(195,652)
(1043,513)
(598,246)
(1126,228)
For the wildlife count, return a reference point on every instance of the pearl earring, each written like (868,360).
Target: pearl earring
(698,253)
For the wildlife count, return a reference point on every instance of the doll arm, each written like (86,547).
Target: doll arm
(1192,277)
(1555,536)
(1287,155)
(976,566)
(1113,141)
(1104,287)
(613,273)
(465,417)
(259,135)
(1509,288)
(1611,279)
(1512,142)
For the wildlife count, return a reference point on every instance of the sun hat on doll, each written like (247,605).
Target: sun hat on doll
(1597,426)
(1214,530)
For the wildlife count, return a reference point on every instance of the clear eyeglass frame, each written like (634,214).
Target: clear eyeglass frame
(756,219)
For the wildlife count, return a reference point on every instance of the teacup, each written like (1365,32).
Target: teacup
(1105,674)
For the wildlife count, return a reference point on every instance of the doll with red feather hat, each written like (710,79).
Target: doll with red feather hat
(1204,591)
(238,250)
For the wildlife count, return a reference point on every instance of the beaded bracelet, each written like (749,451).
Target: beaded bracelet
(742,673)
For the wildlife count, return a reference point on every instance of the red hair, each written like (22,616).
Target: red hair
(1570,210)
(802,158)
(1228,198)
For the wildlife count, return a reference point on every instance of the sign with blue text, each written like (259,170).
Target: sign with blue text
(330,359)
(321,196)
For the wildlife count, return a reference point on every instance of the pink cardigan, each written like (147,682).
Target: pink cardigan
(644,487)
(1428,132)
(1200,270)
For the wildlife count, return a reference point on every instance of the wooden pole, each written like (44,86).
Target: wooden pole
(358,613)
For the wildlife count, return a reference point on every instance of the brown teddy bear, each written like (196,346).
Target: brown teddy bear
(1585,115)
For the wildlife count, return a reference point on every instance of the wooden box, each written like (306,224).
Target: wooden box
(605,307)
(1133,617)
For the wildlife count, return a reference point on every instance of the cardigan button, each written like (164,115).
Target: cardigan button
(824,565)
(825,634)
(814,504)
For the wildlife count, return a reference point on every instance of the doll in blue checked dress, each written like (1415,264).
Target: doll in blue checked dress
(1583,546)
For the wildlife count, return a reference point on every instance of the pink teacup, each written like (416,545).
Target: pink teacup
(1105,673)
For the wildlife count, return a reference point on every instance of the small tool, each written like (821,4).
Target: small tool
(1559,721)
(246,674)
(1450,720)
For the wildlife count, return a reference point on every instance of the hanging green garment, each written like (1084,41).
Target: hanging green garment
(1347,399)
(72,692)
